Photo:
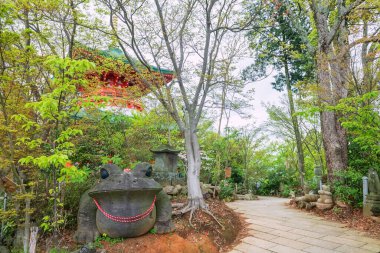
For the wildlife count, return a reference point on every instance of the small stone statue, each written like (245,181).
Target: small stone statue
(371,206)
(373,182)
(325,201)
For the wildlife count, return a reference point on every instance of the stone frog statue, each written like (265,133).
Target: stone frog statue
(123,204)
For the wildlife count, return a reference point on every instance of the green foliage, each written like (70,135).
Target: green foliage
(54,137)
(74,191)
(286,191)
(277,42)
(58,250)
(106,238)
(348,187)
(153,231)
(226,190)
(279,182)
(236,150)
(361,119)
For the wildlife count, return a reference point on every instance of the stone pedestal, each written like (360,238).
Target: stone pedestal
(369,208)
(165,168)
(325,201)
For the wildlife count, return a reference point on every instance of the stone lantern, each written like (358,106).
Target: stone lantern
(165,168)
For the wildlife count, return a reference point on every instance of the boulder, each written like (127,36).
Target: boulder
(173,190)
(168,189)
(210,189)
(247,196)
(4,249)
(184,190)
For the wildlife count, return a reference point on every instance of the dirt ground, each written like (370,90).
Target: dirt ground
(206,235)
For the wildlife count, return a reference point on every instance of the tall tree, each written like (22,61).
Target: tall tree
(277,44)
(333,59)
(188,37)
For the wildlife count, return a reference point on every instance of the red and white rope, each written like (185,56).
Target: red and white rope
(126,219)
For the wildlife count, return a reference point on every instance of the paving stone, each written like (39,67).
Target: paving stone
(287,235)
(290,243)
(350,249)
(323,230)
(316,249)
(344,241)
(248,248)
(320,243)
(329,229)
(261,235)
(277,228)
(362,239)
(285,249)
(306,233)
(355,233)
(372,247)
(260,228)
(235,251)
(331,224)
(259,242)
(272,225)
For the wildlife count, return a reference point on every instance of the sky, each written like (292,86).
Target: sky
(263,94)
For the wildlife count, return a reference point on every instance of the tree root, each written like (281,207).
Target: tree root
(190,207)
(213,216)
(177,205)
(191,217)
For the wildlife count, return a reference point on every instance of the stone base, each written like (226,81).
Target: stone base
(341,204)
(371,200)
(168,178)
(323,206)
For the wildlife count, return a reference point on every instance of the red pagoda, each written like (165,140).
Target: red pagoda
(115,78)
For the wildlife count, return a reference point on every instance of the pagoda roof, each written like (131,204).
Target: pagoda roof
(114,53)
(118,54)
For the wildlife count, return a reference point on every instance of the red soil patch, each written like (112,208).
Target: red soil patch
(171,243)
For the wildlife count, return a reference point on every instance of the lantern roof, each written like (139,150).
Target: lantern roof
(165,149)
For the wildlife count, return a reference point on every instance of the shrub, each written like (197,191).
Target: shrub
(271,185)
(348,187)
(226,190)
(286,191)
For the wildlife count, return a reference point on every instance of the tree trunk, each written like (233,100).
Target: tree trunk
(33,239)
(27,225)
(332,80)
(296,129)
(195,195)
(333,135)
(224,93)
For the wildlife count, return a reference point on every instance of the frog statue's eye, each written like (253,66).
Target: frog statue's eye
(148,172)
(104,173)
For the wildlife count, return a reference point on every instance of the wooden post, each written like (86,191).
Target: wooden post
(227,172)
(33,239)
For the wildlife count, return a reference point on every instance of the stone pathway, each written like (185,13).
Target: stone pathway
(274,227)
